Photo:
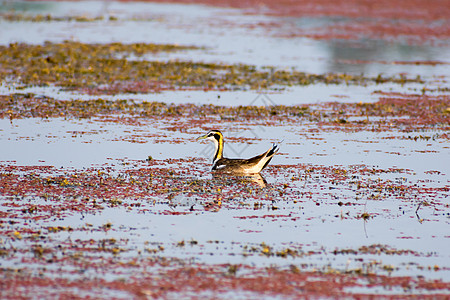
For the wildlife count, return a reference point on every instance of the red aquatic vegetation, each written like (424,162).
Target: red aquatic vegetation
(70,191)
(394,111)
(416,9)
(36,194)
(415,22)
(214,280)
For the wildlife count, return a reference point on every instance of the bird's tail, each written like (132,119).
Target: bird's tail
(275,149)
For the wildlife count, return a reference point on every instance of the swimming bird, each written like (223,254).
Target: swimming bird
(237,165)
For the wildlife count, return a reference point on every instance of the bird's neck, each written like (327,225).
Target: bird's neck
(219,149)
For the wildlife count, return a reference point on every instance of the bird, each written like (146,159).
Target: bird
(252,165)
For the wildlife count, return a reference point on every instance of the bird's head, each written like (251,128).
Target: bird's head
(213,135)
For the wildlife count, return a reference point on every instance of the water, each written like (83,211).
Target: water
(307,206)
(228,36)
(240,40)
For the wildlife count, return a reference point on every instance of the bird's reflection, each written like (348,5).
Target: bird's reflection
(238,178)
(193,198)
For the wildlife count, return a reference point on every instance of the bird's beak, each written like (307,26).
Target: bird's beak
(202,137)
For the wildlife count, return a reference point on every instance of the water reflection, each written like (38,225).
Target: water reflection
(239,179)
(374,57)
(217,184)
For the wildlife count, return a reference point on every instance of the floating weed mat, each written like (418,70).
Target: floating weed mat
(160,277)
(45,192)
(22,17)
(107,69)
(16,17)
(397,111)
(68,254)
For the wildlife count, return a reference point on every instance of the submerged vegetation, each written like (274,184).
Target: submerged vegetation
(129,68)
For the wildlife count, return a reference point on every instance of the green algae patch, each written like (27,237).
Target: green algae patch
(18,106)
(19,17)
(122,68)
(76,65)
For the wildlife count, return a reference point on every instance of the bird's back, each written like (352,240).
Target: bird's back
(251,166)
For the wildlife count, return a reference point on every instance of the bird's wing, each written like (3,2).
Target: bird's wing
(268,154)
(256,163)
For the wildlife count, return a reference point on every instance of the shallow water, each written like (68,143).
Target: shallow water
(228,35)
(240,40)
(318,228)
(317,93)
(79,143)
